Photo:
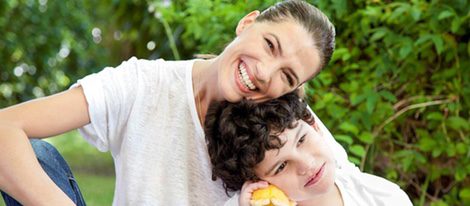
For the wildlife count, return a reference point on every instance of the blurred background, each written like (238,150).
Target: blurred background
(396,94)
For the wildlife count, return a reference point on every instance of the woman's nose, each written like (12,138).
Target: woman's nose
(264,72)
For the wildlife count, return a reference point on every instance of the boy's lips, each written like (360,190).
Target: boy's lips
(317,175)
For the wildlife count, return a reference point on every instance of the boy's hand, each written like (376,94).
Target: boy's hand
(247,190)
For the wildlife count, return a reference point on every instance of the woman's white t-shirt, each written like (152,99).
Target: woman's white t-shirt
(143,112)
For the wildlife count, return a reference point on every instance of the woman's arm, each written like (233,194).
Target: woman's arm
(21,176)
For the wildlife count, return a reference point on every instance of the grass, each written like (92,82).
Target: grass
(96,190)
(93,170)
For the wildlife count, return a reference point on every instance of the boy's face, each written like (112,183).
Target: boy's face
(303,167)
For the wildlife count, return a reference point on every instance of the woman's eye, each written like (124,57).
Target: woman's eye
(280,168)
(270,44)
(289,79)
(301,140)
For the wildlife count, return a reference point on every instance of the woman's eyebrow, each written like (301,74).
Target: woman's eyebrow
(278,43)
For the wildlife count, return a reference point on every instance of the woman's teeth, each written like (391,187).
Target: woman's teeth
(244,77)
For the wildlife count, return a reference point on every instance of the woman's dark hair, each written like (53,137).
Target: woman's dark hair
(311,18)
(239,134)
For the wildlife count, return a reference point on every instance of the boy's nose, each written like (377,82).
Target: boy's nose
(305,166)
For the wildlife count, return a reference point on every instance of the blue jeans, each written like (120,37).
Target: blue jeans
(57,169)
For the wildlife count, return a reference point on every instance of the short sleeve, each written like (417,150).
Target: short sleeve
(110,95)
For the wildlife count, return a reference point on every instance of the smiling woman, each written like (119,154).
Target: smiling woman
(150,113)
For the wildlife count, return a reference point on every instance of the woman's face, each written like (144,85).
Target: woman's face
(266,60)
(303,167)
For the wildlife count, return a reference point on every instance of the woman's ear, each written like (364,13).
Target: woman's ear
(246,21)
(301,91)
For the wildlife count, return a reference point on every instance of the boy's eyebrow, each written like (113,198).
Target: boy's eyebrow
(272,168)
(297,136)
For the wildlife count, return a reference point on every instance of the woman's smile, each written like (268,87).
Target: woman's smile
(244,78)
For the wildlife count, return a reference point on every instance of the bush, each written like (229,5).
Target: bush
(396,94)
(43,47)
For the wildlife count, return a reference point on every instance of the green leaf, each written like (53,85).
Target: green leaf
(445,14)
(371,102)
(344,138)
(426,144)
(455,25)
(356,99)
(379,34)
(451,150)
(354,160)
(460,174)
(465,193)
(436,152)
(366,137)
(461,148)
(439,203)
(434,116)
(388,96)
(405,50)
(458,123)
(438,43)
(468,48)
(415,13)
(341,53)
(349,127)
(357,150)
(423,38)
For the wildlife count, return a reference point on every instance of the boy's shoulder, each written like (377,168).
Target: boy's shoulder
(359,188)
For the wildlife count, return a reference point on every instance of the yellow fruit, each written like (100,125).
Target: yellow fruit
(270,196)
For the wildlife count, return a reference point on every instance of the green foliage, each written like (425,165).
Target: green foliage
(401,74)
(43,46)
(207,24)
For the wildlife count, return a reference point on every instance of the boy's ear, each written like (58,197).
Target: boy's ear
(246,21)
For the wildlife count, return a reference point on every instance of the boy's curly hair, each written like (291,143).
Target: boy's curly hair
(239,134)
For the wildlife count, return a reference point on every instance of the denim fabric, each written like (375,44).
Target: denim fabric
(57,169)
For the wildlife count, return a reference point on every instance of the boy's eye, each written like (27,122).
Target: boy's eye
(289,78)
(270,44)
(280,168)
(301,140)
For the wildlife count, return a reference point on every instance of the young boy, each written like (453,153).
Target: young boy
(278,142)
